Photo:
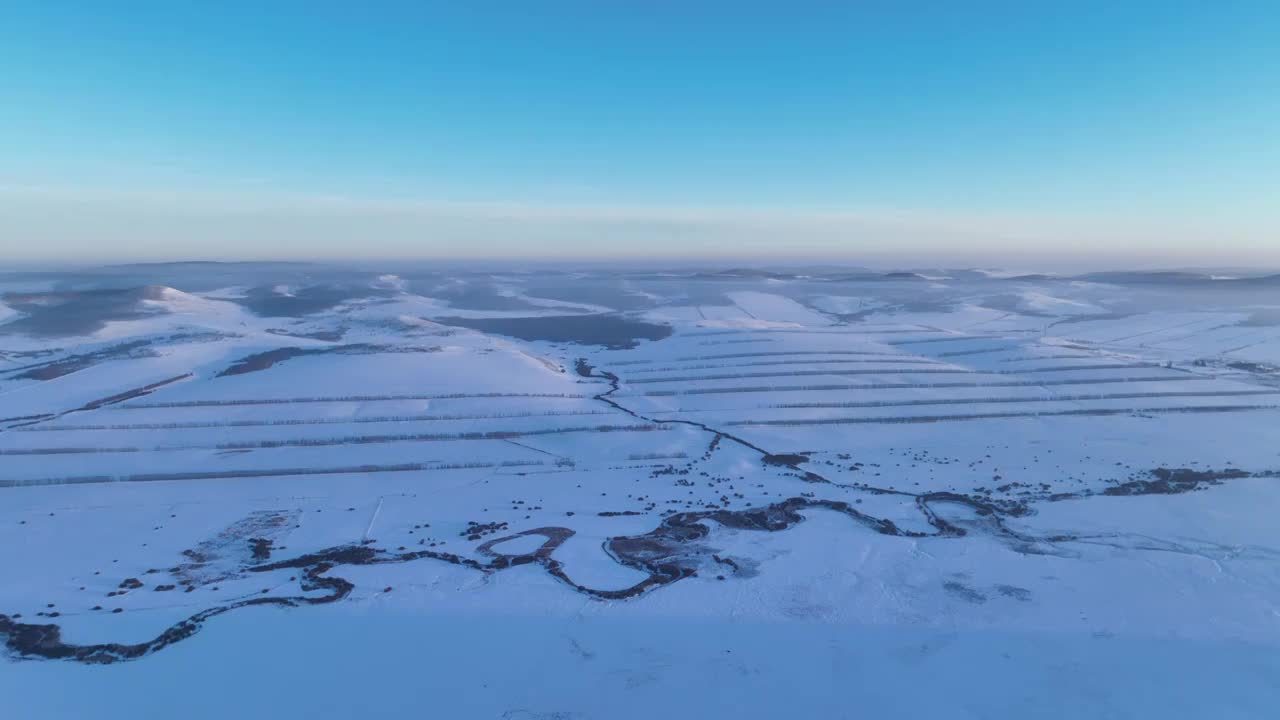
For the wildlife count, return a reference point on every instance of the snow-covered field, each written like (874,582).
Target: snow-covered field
(627,494)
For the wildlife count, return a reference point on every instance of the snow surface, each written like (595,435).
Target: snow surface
(1000,498)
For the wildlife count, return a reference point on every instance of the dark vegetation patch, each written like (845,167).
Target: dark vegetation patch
(94,405)
(245,541)
(131,394)
(28,640)
(260,548)
(1173,481)
(1013,591)
(608,292)
(78,312)
(610,330)
(476,531)
(67,364)
(785,459)
(74,363)
(977,351)
(483,295)
(300,302)
(322,335)
(820,331)
(946,339)
(264,360)
(21,418)
(963,592)
(730,562)
(1260,368)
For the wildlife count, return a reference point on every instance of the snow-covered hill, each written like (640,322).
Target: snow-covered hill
(744,483)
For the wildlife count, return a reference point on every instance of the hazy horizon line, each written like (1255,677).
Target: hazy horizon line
(96,225)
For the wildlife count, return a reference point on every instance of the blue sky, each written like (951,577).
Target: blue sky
(331,129)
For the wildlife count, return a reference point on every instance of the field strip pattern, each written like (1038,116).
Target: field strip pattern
(809,331)
(913,419)
(892,371)
(312,421)
(795,373)
(266,472)
(348,440)
(772,353)
(904,360)
(346,399)
(922,386)
(988,401)
(931,371)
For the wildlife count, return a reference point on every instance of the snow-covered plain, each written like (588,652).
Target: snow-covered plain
(307,490)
